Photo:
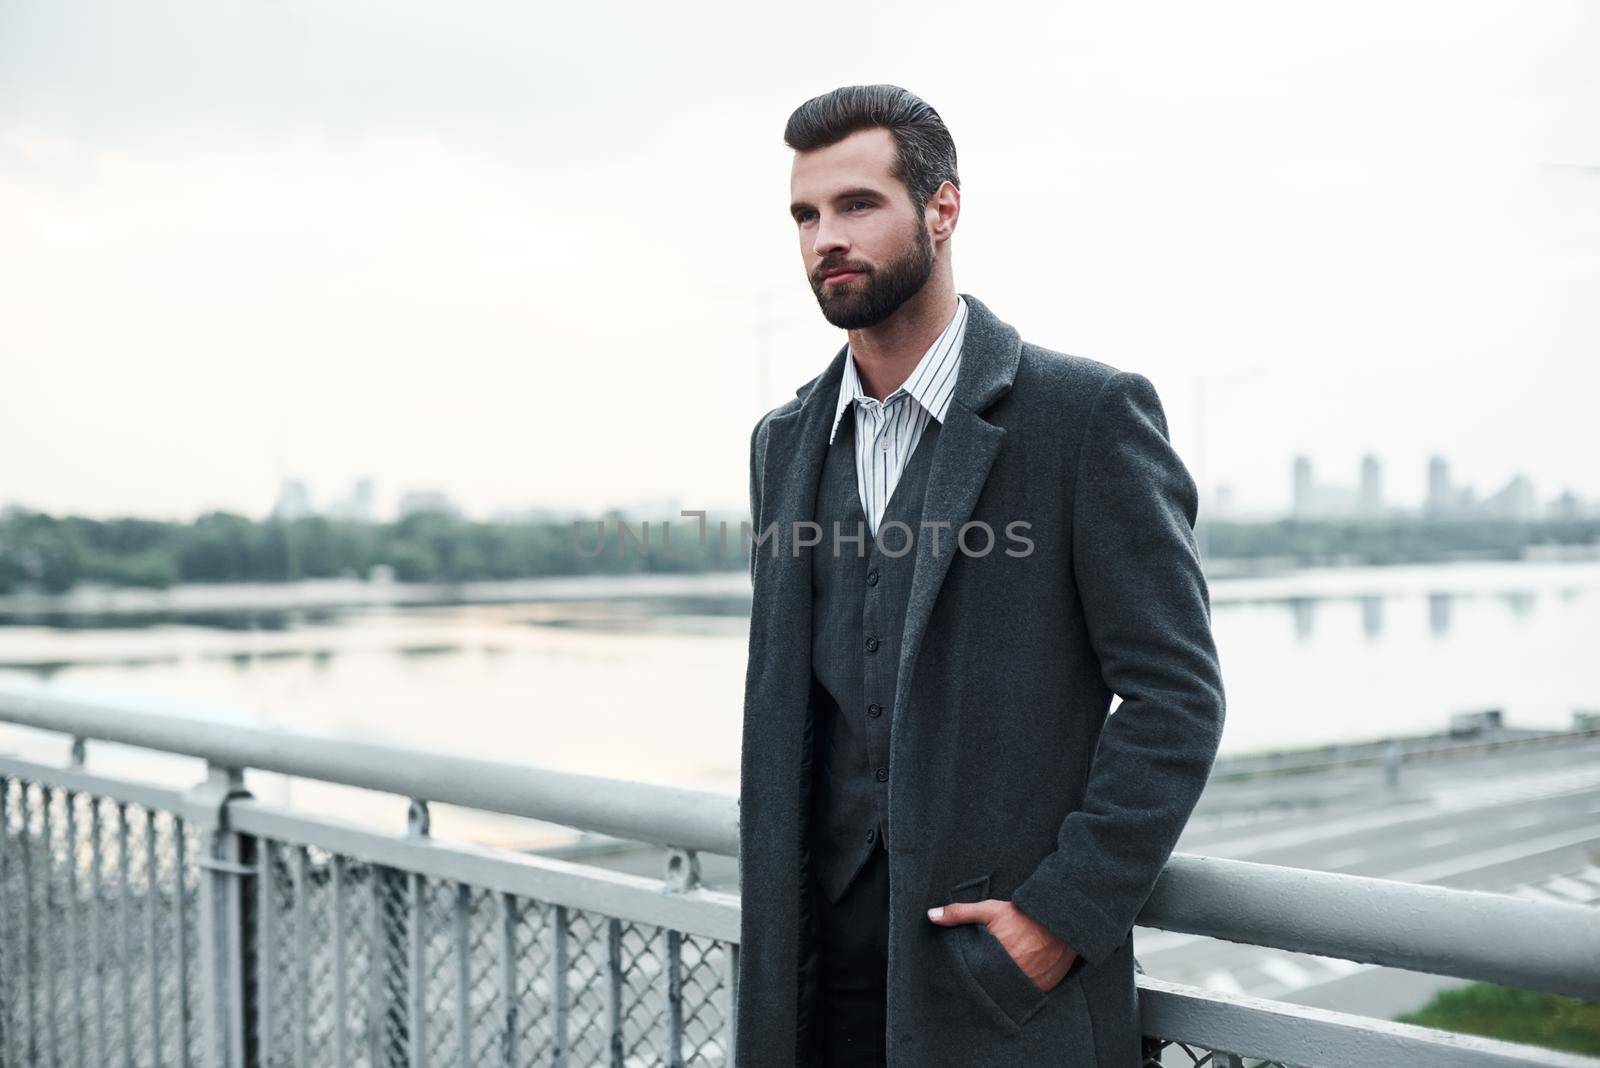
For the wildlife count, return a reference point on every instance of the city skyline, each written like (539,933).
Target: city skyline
(1444,497)
(358,500)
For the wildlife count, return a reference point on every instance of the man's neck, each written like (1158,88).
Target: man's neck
(887,353)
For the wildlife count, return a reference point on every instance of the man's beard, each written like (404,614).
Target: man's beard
(876,295)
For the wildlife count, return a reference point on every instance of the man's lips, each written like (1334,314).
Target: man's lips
(840,276)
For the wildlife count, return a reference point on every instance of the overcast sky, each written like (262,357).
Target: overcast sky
(539,254)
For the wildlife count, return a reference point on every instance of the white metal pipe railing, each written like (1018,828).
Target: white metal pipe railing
(1535,945)
(642,812)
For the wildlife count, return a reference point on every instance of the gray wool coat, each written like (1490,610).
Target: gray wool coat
(1008,778)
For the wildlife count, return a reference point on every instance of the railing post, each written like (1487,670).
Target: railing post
(9,969)
(225,882)
(731,1032)
(417,826)
(682,875)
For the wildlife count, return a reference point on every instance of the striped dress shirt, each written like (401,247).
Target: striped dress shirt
(888,430)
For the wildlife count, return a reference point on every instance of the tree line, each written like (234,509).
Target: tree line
(53,554)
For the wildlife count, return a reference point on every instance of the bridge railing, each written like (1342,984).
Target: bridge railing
(145,925)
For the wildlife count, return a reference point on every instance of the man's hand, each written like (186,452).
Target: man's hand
(1042,956)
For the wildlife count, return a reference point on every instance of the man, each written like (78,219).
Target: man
(945,838)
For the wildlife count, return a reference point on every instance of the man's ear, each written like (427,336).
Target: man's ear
(943,211)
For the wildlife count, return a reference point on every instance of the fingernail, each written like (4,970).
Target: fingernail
(934,914)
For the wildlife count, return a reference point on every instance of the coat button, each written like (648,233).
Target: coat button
(871,835)
(883,774)
(872,645)
(872,577)
(874,710)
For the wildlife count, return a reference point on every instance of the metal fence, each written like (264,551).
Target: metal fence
(146,926)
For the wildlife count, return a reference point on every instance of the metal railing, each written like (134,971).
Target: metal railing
(142,925)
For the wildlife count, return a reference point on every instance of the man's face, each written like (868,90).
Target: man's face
(866,249)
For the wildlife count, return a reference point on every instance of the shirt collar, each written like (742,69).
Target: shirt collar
(931,383)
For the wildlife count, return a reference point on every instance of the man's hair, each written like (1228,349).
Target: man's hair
(925,156)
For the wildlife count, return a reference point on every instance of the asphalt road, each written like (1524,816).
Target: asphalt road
(1524,822)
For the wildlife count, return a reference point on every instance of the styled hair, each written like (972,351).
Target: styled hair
(925,156)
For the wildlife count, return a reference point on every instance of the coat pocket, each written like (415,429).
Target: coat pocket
(997,980)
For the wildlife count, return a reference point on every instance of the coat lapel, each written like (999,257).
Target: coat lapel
(797,445)
(968,445)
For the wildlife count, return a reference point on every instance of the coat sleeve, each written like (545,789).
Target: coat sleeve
(1148,615)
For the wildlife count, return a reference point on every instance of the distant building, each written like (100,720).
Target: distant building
(1316,500)
(1570,506)
(1304,488)
(1515,500)
(418,501)
(1222,501)
(360,506)
(294,501)
(1371,485)
(1445,498)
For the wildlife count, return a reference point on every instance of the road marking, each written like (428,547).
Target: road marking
(1434,839)
(1571,889)
(1590,874)
(1541,787)
(1444,869)
(1286,972)
(1533,893)
(1223,981)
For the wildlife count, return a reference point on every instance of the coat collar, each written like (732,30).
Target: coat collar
(930,383)
(968,444)
(990,354)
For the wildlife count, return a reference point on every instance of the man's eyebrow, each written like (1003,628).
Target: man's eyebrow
(848,194)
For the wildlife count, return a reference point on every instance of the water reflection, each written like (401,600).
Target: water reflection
(1439,614)
(646,682)
(1372,617)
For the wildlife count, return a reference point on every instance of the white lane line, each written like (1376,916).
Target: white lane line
(1222,980)
(1590,874)
(1444,869)
(1571,889)
(1434,839)
(1286,972)
(1340,966)
(1527,788)
(1533,893)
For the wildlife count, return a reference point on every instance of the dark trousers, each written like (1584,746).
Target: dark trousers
(854,964)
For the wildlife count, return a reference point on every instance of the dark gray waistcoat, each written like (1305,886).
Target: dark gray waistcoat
(859,595)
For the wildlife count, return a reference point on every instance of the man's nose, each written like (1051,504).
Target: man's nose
(829,239)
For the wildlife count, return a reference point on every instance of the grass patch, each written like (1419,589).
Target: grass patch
(1547,1020)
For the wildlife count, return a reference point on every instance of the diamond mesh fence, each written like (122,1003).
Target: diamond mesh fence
(344,962)
(361,964)
(98,931)
(1169,1053)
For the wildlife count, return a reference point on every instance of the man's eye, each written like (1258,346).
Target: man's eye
(861,204)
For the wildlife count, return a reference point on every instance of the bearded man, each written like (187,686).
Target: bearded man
(966,545)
